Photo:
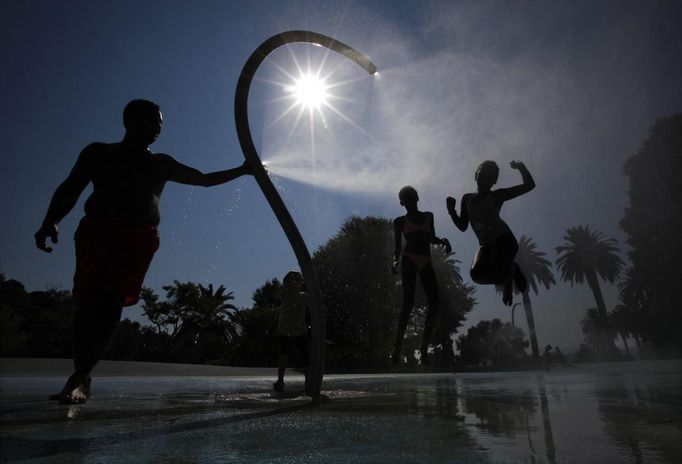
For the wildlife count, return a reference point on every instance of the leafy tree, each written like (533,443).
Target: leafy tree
(256,343)
(619,322)
(34,324)
(12,298)
(492,344)
(363,298)
(456,300)
(594,326)
(652,222)
(634,301)
(194,324)
(128,343)
(198,319)
(165,317)
(585,353)
(359,292)
(586,256)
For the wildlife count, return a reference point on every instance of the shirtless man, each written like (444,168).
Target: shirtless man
(494,260)
(117,238)
(417,228)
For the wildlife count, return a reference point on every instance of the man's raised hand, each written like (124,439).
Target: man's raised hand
(41,237)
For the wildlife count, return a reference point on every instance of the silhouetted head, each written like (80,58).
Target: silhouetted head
(142,120)
(408,196)
(293,279)
(486,174)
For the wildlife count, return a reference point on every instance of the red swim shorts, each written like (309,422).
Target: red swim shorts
(112,259)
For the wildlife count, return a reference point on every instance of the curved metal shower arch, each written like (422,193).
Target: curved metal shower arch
(270,192)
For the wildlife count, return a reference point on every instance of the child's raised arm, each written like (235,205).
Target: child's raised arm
(461,221)
(513,192)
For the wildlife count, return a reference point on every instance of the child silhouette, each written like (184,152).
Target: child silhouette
(494,260)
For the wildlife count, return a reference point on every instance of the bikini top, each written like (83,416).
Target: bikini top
(417,237)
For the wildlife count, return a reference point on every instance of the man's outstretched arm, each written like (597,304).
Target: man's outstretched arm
(64,199)
(187,175)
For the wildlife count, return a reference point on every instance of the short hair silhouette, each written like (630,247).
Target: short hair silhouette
(290,275)
(488,169)
(136,108)
(408,193)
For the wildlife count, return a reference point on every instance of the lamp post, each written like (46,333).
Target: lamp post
(513,308)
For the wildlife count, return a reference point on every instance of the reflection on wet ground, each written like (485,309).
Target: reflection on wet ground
(602,413)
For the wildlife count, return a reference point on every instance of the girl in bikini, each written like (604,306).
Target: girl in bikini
(494,260)
(417,228)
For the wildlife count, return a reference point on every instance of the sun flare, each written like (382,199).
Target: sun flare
(310,91)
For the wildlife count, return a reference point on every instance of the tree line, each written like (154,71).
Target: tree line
(193,323)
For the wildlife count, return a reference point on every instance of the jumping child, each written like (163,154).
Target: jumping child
(494,260)
(417,228)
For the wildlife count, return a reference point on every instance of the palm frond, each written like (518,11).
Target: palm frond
(586,250)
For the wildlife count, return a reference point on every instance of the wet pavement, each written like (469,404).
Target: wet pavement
(599,413)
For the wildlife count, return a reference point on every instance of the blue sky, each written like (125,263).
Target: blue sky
(570,88)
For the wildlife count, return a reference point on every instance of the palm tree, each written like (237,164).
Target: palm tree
(586,256)
(201,318)
(634,297)
(592,326)
(215,309)
(537,270)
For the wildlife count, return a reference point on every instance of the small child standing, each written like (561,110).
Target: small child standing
(292,327)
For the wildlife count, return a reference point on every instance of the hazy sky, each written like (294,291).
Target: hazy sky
(570,88)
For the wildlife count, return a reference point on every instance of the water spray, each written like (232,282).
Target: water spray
(316,370)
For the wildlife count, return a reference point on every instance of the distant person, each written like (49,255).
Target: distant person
(292,326)
(547,356)
(418,230)
(494,260)
(559,357)
(117,238)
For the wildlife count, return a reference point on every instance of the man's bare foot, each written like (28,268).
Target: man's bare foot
(75,391)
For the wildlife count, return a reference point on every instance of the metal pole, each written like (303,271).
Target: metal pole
(317,341)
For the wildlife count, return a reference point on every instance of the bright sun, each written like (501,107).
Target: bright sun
(310,91)
(309,94)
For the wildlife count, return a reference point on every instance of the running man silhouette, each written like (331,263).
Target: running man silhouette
(417,228)
(117,238)
(494,260)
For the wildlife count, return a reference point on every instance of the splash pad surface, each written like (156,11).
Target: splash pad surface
(621,412)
